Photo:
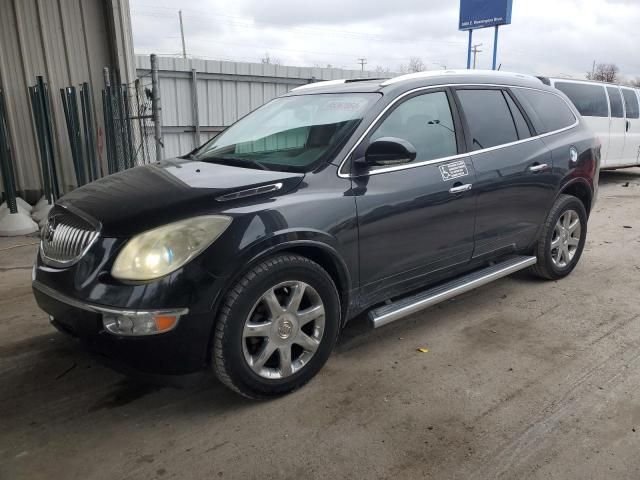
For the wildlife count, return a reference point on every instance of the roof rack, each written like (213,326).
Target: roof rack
(334,82)
(318,84)
(439,73)
(363,79)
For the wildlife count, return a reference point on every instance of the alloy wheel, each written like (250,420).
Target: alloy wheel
(283,330)
(566,239)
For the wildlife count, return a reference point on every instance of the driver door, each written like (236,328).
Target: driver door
(417,218)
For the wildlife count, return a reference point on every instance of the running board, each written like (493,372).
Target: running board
(409,305)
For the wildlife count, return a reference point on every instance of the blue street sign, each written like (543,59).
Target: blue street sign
(484,13)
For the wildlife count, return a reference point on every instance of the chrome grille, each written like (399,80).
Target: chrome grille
(65,237)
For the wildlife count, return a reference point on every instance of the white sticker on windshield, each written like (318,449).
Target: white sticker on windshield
(454,170)
(346,106)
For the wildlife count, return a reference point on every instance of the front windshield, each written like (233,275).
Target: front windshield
(290,133)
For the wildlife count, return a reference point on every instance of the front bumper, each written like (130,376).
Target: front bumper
(180,351)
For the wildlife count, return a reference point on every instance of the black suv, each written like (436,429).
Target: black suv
(250,254)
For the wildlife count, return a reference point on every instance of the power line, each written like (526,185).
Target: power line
(157,11)
(169,12)
(201,16)
(311,52)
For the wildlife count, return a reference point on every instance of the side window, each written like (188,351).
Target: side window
(426,122)
(590,100)
(549,111)
(488,116)
(518,118)
(616,102)
(631,103)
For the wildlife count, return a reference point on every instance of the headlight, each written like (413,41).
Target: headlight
(160,251)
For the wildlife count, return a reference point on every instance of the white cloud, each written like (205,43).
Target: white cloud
(547,37)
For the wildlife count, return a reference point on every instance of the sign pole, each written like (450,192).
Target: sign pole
(476,14)
(495,47)
(469,50)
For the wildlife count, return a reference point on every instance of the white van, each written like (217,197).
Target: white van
(613,114)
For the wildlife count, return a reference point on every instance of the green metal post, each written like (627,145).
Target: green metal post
(42,147)
(6,165)
(46,110)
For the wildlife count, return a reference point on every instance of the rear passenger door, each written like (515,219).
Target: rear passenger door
(514,183)
(632,114)
(617,129)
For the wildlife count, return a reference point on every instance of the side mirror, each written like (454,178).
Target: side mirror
(389,151)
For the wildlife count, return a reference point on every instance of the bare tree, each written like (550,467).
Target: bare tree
(381,69)
(635,82)
(604,72)
(415,65)
(269,60)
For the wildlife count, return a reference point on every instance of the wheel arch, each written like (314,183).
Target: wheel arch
(580,189)
(325,256)
(320,252)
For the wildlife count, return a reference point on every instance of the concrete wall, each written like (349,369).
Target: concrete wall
(68,42)
(226,91)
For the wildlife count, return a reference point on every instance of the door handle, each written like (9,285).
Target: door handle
(628,125)
(538,168)
(461,188)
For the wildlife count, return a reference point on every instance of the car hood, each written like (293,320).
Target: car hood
(141,198)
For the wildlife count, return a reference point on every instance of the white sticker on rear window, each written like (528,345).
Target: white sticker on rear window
(454,170)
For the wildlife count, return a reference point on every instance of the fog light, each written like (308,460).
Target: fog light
(139,323)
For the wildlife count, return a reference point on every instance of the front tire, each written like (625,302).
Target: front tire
(562,239)
(277,327)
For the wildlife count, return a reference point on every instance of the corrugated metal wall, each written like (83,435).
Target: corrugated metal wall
(68,42)
(226,91)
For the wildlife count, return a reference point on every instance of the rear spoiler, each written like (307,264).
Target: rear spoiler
(545,80)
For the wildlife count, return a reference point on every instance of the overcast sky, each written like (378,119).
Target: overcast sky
(547,37)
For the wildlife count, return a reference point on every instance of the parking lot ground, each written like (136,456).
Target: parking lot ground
(522,379)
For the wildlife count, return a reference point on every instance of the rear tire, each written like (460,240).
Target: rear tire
(277,327)
(562,239)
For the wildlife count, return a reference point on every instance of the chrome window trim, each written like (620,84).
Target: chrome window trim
(342,174)
(90,307)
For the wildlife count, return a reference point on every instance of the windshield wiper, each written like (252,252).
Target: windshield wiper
(192,154)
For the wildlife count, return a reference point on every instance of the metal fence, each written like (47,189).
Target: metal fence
(193,101)
(128,120)
(128,131)
(200,98)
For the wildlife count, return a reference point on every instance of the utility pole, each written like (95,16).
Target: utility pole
(593,70)
(362,62)
(475,52)
(156,107)
(184,49)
